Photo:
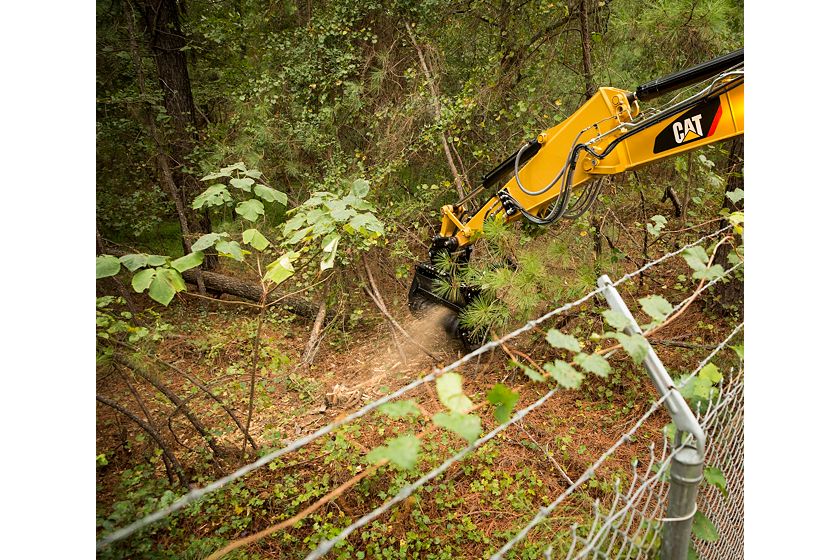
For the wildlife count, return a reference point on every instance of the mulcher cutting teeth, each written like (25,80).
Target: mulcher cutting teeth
(422,299)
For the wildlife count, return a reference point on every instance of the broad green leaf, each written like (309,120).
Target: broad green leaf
(635,345)
(251,209)
(134,261)
(141,281)
(217,175)
(281,269)
(156,260)
(711,372)
(165,284)
(711,273)
(206,241)
(468,426)
(704,529)
(696,257)
(270,195)
(615,319)
(504,399)
(400,409)
(739,349)
(531,373)
(294,224)
(255,239)
(656,307)
(714,476)
(330,251)
(367,222)
(239,166)
(702,388)
(563,341)
(659,222)
(299,234)
(188,261)
(107,265)
(401,452)
(230,249)
(215,195)
(567,376)
(253,173)
(360,188)
(735,196)
(451,393)
(593,363)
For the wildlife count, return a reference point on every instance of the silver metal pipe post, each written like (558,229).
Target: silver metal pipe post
(687,464)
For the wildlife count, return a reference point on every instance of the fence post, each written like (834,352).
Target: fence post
(687,463)
(686,474)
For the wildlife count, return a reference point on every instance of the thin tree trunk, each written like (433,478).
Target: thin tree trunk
(149,429)
(312,345)
(586,48)
(459,183)
(254,363)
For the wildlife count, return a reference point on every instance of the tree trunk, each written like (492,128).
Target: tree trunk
(586,49)
(167,41)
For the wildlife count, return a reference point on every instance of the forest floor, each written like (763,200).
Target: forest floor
(466,513)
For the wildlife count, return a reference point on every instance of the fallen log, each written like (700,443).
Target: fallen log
(220,283)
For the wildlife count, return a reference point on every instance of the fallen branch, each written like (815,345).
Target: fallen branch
(154,435)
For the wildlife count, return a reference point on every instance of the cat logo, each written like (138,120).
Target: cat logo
(694,124)
(689,129)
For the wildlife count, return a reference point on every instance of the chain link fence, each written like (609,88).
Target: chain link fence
(632,524)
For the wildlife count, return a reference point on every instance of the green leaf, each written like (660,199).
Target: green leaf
(696,257)
(593,363)
(714,476)
(635,345)
(330,246)
(299,234)
(567,376)
(563,341)
(188,261)
(156,260)
(451,394)
(401,452)
(253,173)
(134,261)
(504,399)
(616,319)
(217,175)
(656,228)
(367,222)
(251,209)
(656,307)
(230,249)
(704,529)
(167,282)
(739,349)
(281,269)
(400,409)
(711,372)
(468,426)
(711,273)
(360,188)
(240,166)
(270,195)
(107,265)
(141,281)
(735,196)
(532,374)
(255,239)
(215,195)
(206,241)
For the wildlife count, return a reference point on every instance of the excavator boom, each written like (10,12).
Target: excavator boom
(558,174)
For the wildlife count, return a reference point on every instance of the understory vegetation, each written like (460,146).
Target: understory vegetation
(268,175)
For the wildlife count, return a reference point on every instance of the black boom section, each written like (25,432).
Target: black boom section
(683,78)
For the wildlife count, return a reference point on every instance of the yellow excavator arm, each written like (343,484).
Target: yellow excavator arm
(558,175)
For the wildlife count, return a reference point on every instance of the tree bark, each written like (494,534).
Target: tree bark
(586,49)
(167,42)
